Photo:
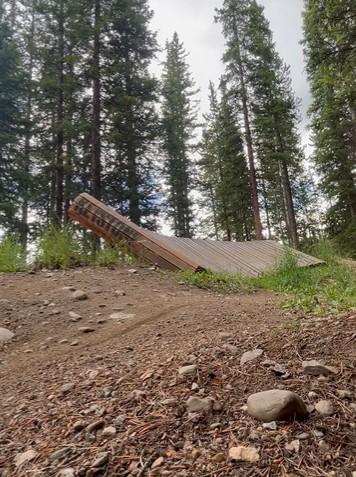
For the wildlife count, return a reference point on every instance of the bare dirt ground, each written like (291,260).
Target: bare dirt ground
(108,400)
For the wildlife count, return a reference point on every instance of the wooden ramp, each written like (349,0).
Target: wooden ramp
(244,258)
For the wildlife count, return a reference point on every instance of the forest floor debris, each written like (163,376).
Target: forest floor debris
(116,405)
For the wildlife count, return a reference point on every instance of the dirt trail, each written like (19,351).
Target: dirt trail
(126,368)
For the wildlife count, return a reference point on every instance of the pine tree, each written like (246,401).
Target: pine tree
(178,124)
(234,17)
(262,87)
(224,170)
(330,32)
(131,95)
(275,121)
(11,124)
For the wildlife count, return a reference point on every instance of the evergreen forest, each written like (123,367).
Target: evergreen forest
(82,111)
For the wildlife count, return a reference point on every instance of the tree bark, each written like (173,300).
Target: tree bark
(60,119)
(28,134)
(287,192)
(250,152)
(96,138)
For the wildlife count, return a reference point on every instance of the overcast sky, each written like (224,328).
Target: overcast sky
(194,22)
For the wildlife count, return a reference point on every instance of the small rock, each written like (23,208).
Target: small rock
(281,371)
(120,293)
(293,446)
(109,431)
(137,394)
(60,453)
(79,426)
(250,356)
(24,457)
(122,316)
(272,426)
(303,436)
(79,295)
(86,329)
(224,335)
(157,463)
(215,425)
(324,447)
(344,394)
(230,348)
(101,460)
(64,341)
(66,473)
(94,426)
(66,388)
(276,405)
(189,370)
(318,434)
(74,343)
(325,408)
(195,404)
(246,454)
(312,395)
(169,402)
(132,270)
(74,316)
(107,392)
(268,363)
(316,368)
(220,457)
(195,387)
(6,335)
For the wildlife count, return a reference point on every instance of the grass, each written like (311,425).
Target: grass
(58,248)
(12,256)
(111,255)
(328,288)
(219,282)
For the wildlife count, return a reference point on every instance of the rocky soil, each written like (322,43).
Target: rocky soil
(127,373)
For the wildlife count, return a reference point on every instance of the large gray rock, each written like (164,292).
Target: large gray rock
(276,405)
(6,335)
(317,368)
(251,356)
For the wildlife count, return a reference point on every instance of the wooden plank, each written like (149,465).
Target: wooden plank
(113,227)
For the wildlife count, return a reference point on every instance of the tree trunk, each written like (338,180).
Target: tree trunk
(69,143)
(250,152)
(28,134)
(60,119)
(134,203)
(287,191)
(269,230)
(353,132)
(288,198)
(96,139)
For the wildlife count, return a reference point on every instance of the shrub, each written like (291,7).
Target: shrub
(12,256)
(58,248)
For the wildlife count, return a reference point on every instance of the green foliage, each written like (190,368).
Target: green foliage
(223,170)
(111,255)
(329,33)
(12,256)
(219,282)
(328,288)
(59,248)
(178,125)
